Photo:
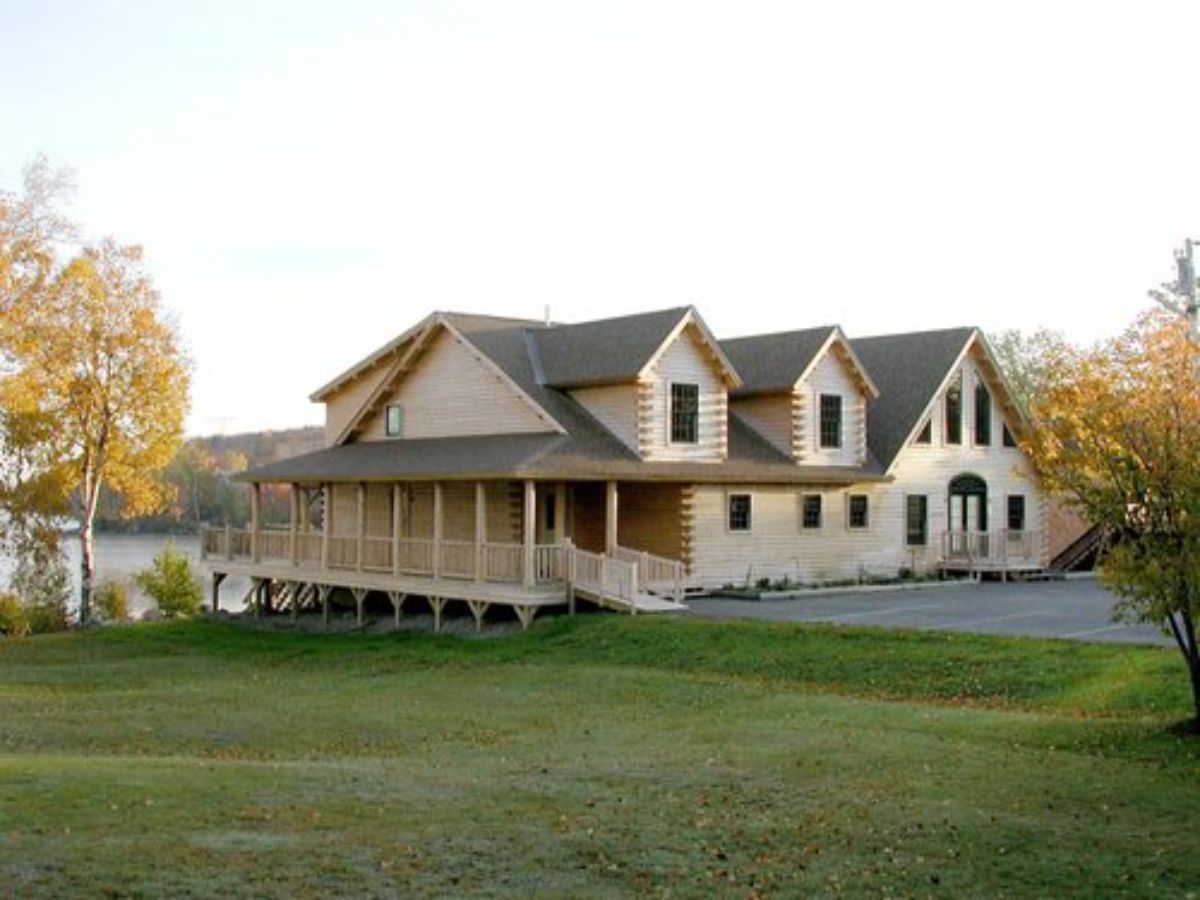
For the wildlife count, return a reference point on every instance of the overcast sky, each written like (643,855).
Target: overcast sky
(310,179)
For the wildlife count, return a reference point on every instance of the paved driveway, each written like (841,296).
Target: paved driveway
(1078,609)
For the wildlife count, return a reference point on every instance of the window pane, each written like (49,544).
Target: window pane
(394,421)
(983,416)
(1009,440)
(812,511)
(954,412)
(739,512)
(831,420)
(858,511)
(685,413)
(925,435)
(1016,512)
(917,520)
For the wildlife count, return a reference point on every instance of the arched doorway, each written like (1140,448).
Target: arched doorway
(968,503)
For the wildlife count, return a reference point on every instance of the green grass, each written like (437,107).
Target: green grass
(595,756)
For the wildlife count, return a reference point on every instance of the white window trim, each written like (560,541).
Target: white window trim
(670,414)
(850,527)
(820,526)
(729,495)
(841,445)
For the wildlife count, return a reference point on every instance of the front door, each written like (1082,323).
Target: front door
(967,519)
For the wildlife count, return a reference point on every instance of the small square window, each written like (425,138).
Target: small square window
(858,517)
(831,420)
(685,413)
(812,511)
(739,512)
(394,421)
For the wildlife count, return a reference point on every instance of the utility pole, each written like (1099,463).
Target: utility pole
(1180,296)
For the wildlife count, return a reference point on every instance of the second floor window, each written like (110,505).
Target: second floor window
(1016,512)
(983,416)
(685,413)
(954,411)
(393,421)
(831,420)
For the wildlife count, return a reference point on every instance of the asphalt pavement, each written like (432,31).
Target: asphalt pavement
(1074,609)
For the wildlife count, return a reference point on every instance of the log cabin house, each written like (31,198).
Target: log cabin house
(627,461)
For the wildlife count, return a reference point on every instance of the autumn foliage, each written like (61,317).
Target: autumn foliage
(1117,431)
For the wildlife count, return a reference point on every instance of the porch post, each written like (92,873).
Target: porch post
(437,529)
(293,522)
(362,523)
(255,512)
(610,518)
(396,519)
(480,529)
(527,529)
(326,523)
(560,512)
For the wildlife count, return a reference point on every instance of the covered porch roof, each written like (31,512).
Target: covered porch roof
(547,456)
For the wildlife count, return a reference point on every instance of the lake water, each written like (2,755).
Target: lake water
(122,555)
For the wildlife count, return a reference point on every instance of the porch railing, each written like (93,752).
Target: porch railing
(992,547)
(656,573)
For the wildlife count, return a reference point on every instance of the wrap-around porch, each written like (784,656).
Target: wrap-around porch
(525,544)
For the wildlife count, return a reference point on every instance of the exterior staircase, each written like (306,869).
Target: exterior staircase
(628,581)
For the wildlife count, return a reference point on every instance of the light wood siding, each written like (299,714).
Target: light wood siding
(831,375)
(342,406)
(450,393)
(615,406)
(344,501)
(770,416)
(587,517)
(649,517)
(777,546)
(503,501)
(683,362)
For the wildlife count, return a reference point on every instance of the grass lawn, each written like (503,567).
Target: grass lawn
(595,756)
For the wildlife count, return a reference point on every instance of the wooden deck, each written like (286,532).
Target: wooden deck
(1005,553)
(297,569)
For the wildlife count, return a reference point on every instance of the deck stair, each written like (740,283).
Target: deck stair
(629,581)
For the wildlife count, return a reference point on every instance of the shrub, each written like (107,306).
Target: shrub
(112,600)
(170,583)
(45,616)
(13,621)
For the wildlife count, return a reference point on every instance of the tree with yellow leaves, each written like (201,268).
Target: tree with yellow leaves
(93,381)
(1117,431)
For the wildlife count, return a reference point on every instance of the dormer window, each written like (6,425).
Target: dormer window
(393,420)
(685,413)
(831,420)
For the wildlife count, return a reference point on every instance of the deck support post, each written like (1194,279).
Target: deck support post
(360,594)
(294,588)
(326,522)
(255,515)
(293,523)
(323,591)
(397,598)
(480,530)
(256,585)
(218,577)
(528,521)
(396,522)
(525,613)
(478,610)
(438,512)
(361,527)
(610,518)
(437,604)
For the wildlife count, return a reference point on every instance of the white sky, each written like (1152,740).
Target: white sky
(310,179)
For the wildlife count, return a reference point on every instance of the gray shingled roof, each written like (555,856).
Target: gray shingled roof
(774,362)
(587,451)
(607,351)
(909,368)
